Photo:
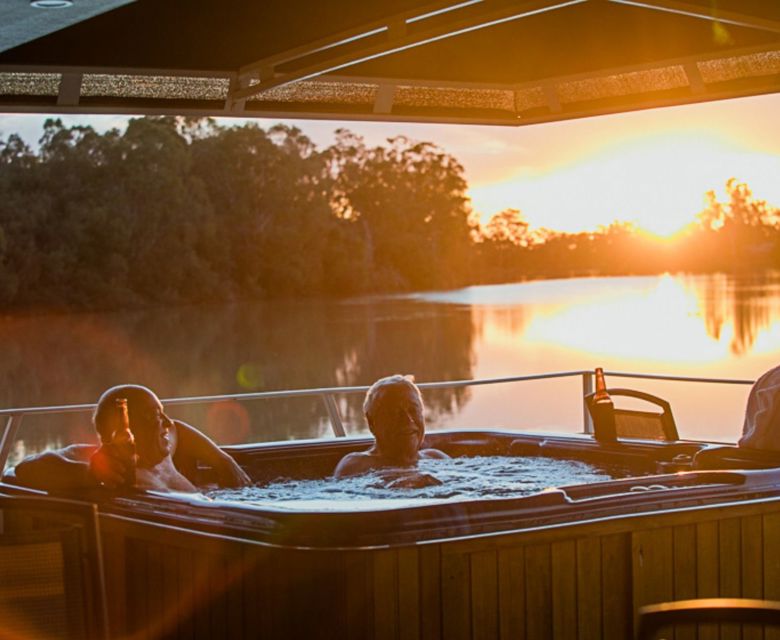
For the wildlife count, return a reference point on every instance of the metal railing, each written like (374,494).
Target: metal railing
(14,417)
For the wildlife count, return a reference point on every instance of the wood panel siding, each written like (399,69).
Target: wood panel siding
(589,588)
(615,592)
(752,555)
(684,551)
(771,572)
(581,581)
(456,596)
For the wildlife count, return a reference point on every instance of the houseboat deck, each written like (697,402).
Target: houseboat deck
(698,519)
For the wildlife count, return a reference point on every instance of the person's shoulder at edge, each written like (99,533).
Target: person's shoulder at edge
(75,452)
(434,454)
(355,463)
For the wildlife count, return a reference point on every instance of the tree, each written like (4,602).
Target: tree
(409,201)
(508,226)
(742,232)
(271,194)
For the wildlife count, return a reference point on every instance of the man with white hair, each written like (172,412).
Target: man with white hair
(394,411)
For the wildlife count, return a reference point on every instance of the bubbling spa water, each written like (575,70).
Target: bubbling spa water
(466,478)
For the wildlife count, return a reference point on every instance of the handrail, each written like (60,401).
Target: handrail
(293,393)
(16,415)
(319,391)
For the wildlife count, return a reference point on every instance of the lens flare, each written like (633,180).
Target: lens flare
(228,422)
(250,376)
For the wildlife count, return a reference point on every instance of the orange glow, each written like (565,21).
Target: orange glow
(99,341)
(662,239)
(651,168)
(228,422)
(675,325)
(597,331)
(657,182)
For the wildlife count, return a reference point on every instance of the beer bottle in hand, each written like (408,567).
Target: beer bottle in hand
(603,410)
(124,441)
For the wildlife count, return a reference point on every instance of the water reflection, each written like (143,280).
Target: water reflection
(711,325)
(244,347)
(738,307)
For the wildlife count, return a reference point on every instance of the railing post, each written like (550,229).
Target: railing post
(587,387)
(9,435)
(335,415)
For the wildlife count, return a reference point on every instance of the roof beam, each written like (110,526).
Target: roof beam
(355,34)
(697,11)
(687,62)
(385,106)
(76,74)
(771,85)
(396,38)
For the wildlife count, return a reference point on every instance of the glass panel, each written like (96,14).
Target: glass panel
(267,420)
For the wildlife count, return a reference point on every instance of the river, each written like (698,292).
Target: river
(709,325)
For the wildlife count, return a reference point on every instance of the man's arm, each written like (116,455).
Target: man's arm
(79,466)
(66,468)
(193,445)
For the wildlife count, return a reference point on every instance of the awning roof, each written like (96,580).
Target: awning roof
(475,61)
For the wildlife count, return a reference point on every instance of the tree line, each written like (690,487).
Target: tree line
(179,210)
(741,233)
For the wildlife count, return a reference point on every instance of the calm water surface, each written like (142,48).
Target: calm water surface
(713,325)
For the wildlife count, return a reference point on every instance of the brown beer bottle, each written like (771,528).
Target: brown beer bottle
(124,441)
(603,410)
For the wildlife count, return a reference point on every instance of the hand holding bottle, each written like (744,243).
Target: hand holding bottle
(107,467)
(113,464)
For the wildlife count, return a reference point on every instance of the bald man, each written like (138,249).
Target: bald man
(167,452)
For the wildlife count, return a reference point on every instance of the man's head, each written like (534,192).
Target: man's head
(148,422)
(394,412)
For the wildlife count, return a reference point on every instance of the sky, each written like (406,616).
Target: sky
(650,167)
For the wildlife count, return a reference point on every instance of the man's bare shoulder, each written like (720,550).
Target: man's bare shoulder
(77,452)
(71,453)
(355,463)
(433,453)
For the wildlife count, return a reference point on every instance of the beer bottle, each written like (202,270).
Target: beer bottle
(603,410)
(124,441)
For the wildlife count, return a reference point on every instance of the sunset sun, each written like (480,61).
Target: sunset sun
(654,175)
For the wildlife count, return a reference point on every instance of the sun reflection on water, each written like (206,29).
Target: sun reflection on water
(702,326)
(657,324)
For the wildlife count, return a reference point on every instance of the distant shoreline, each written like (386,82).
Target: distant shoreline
(43,311)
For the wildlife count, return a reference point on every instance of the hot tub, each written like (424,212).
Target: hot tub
(572,561)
